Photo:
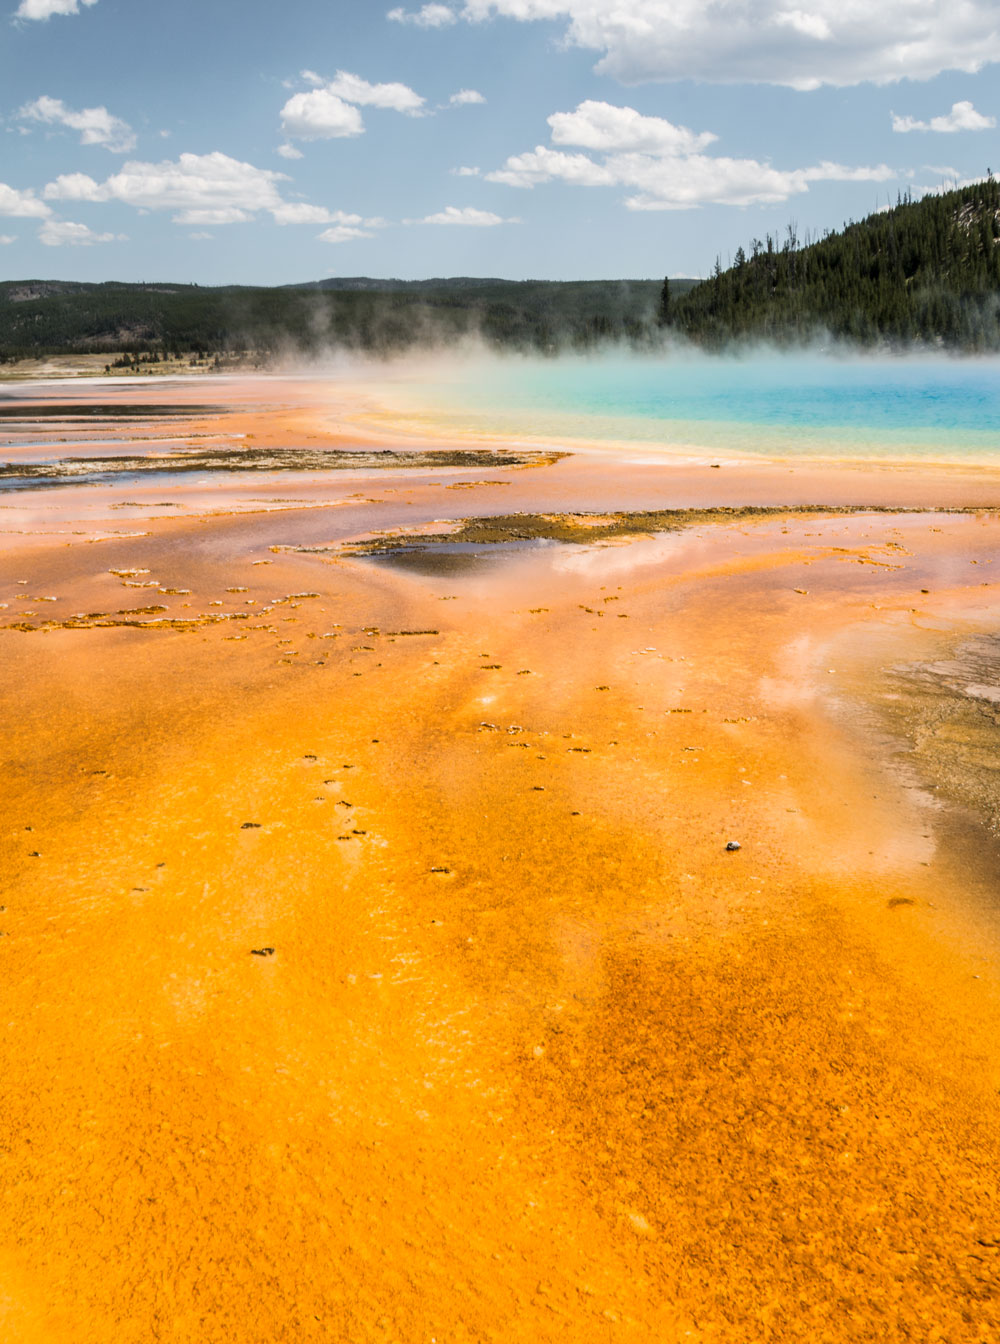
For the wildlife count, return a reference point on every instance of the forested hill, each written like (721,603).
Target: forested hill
(924,271)
(376,316)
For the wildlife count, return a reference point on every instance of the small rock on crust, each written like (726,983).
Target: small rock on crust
(733,846)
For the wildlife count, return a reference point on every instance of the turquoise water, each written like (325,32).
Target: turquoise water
(775,405)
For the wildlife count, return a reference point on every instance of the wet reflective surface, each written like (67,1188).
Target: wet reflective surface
(533,1057)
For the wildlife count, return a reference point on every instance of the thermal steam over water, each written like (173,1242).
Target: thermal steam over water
(808,405)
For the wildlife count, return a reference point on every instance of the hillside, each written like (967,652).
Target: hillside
(382,316)
(925,271)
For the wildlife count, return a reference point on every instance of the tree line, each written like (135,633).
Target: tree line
(41,317)
(921,272)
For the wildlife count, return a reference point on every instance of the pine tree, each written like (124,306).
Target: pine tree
(664,314)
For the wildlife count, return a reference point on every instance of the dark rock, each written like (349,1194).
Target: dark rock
(262,951)
(733,846)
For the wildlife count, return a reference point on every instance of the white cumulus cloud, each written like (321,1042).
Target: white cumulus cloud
(204,190)
(838,42)
(300,213)
(346,228)
(320,115)
(197,185)
(63,233)
(211,216)
(6,239)
(75,187)
(45,9)
(962,117)
(601,126)
(548,165)
(96,124)
(684,184)
(953,183)
(290,152)
(21,204)
(467,216)
(804,22)
(341,233)
(354,89)
(428,16)
(661,165)
(329,110)
(466,98)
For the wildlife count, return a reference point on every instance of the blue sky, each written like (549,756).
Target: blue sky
(241,141)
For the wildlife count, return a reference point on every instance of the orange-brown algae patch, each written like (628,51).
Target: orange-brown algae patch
(534,1057)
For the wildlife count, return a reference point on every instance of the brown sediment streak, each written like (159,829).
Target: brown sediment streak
(69,470)
(373,987)
(28,411)
(98,619)
(587,528)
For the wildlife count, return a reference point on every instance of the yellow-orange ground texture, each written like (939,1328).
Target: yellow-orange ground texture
(533,1057)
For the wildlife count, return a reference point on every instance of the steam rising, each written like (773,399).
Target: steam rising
(680,402)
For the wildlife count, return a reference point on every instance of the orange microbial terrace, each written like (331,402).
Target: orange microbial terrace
(464,890)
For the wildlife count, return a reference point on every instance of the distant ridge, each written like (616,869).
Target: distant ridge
(455,282)
(381,316)
(383,285)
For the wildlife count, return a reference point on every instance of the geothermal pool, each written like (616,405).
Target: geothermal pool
(847,407)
